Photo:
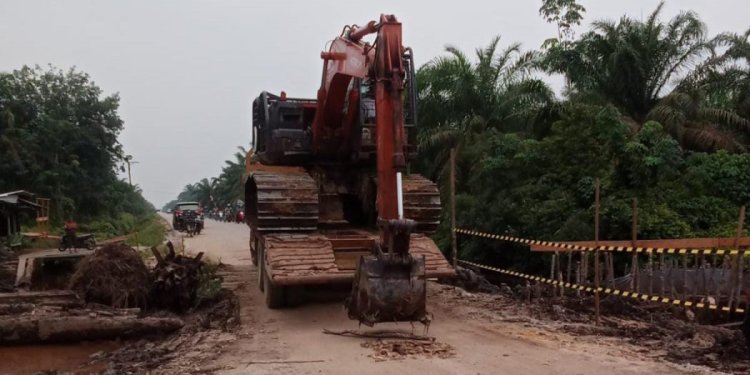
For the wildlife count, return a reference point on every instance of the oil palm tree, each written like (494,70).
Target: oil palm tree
(460,99)
(229,185)
(650,70)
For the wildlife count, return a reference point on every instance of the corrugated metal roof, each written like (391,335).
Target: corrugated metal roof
(19,197)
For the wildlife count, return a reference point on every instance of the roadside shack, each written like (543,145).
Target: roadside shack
(12,206)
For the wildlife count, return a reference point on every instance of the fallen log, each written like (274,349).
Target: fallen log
(50,297)
(35,329)
(16,308)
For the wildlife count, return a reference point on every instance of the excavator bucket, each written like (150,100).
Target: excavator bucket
(390,287)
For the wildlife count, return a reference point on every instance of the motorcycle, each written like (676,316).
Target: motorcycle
(73,241)
(190,227)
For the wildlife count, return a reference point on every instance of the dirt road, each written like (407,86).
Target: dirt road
(291,341)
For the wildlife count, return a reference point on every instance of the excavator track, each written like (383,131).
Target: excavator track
(283,202)
(421,202)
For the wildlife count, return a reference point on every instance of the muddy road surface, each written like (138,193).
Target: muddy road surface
(291,341)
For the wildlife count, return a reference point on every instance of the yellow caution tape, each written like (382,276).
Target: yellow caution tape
(626,249)
(616,292)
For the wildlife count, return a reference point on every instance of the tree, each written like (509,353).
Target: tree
(651,70)
(59,137)
(629,63)
(460,99)
(218,192)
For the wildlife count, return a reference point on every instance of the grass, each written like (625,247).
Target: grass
(209,285)
(148,232)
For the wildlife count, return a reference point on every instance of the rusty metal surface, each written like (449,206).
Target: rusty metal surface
(421,202)
(282,202)
(321,258)
(389,288)
(396,235)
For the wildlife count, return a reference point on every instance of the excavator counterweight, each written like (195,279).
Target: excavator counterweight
(328,196)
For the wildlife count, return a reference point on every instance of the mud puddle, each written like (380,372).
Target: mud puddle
(72,358)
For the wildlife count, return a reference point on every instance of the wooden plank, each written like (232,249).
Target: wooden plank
(349,260)
(300,262)
(294,257)
(307,267)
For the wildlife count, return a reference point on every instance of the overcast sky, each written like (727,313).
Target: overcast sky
(186,71)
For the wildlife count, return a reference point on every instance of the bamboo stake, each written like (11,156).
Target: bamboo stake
(684,276)
(634,238)
(596,245)
(454,242)
(651,272)
(662,266)
(699,266)
(736,278)
(610,269)
(552,272)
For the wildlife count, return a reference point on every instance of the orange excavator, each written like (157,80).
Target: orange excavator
(328,194)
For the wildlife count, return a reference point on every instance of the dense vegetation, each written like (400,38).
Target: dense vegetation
(656,109)
(58,139)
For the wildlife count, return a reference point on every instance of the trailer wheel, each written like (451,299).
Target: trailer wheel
(253,249)
(259,267)
(274,293)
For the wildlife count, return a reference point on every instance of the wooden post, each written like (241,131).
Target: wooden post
(737,262)
(634,238)
(651,272)
(552,272)
(596,253)
(454,242)
(610,269)
(684,276)
(662,280)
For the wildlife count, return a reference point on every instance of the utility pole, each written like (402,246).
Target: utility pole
(129,160)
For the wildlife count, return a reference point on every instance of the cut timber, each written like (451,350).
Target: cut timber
(49,328)
(49,298)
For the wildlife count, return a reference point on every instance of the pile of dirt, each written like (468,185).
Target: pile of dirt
(659,330)
(471,281)
(384,350)
(114,275)
(221,312)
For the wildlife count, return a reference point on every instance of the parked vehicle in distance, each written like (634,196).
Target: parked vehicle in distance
(185,213)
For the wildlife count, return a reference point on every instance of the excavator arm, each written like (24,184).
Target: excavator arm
(390,284)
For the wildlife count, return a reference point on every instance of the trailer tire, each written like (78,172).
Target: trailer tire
(259,267)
